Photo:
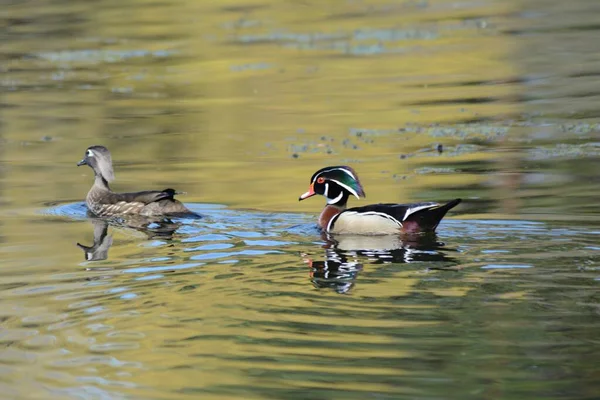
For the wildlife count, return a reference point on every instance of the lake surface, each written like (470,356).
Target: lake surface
(237,103)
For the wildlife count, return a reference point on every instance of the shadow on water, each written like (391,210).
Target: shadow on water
(154,228)
(346,255)
(102,242)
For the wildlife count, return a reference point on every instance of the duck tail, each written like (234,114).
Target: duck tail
(429,219)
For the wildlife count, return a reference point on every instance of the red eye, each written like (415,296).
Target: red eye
(320,180)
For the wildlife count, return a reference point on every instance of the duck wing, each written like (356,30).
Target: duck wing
(144,197)
(397,212)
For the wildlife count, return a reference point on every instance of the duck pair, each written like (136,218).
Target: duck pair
(336,183)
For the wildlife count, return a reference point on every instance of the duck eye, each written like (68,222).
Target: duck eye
(320,180)
(90,153)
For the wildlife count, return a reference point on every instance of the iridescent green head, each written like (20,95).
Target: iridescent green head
(336,184)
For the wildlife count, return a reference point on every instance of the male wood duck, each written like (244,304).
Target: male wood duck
(337,183)
(103,202)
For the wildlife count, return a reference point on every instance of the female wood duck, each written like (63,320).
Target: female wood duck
(103,202)
(102,242)
(339,182)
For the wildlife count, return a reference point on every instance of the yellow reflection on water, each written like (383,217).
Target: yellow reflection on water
(235,103)
(218,100)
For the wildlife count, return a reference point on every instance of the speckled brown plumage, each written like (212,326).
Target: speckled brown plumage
(103,202)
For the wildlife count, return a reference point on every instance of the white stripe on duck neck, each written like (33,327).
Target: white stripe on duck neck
(333,201)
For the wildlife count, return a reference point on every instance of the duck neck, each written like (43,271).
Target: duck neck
(330,211)
(101,183)
(334,206)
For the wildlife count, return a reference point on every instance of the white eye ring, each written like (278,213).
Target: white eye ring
(90,153)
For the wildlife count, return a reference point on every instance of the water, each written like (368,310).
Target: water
(237,104)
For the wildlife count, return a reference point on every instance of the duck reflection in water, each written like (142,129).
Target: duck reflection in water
(338,271)
(154,228)
(346,255)
(102,242)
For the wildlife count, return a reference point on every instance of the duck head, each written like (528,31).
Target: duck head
(336,184)
(99,159)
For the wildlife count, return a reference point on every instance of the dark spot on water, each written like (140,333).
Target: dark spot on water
(469,100)
(440,148)
(243,8)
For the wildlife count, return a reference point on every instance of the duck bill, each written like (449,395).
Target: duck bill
(310,193)
(82,162)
